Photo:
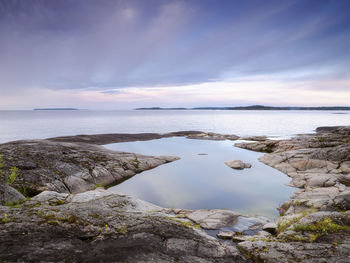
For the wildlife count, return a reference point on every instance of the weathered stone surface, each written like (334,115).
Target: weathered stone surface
(240,238)
(71,167)
(226,234)
(318,165)
(238,164)
(213,219)
(213,136)
(101,139)
(82,227)
(345,167)
(254,138)
(262,146)
(101,226)
(282,252)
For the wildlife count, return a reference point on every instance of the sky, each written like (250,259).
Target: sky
(123,54)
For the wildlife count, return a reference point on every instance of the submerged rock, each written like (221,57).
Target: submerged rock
(238,164)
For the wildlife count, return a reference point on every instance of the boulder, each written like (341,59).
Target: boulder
(345,167)
(9,195)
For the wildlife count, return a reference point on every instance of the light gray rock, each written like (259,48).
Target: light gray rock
(240,238)
(264,234)
(345,167)
(9,195)
(213,219)
(344,179)
(49,197)
(321,180)
(226,234)
(270,227)
(238,164)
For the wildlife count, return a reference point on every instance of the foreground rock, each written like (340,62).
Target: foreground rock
(238,164)
(71,167)
(315,223)
(101,226)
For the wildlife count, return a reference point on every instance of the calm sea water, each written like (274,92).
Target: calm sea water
(195,181)
(16,125)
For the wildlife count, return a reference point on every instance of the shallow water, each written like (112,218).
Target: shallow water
(204,181)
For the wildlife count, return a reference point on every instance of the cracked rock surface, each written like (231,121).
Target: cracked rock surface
(71,167)
(102,226)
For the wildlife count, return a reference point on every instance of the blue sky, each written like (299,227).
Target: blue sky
(123,54)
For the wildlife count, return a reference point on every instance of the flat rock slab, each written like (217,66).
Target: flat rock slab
(224,220)
(213,219)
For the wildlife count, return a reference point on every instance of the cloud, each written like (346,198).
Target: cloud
(105,47)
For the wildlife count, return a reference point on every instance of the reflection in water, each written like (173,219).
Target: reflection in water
(198,181)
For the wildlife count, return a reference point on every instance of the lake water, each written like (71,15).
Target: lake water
(16,125)
(195,181)
(198,181)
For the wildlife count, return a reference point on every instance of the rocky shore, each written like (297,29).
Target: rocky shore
(67,217)
(315,224)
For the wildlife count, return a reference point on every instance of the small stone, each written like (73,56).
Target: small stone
(238,164)
(225,234)
(240,238)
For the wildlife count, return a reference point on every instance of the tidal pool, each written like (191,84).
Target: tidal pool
(201,180)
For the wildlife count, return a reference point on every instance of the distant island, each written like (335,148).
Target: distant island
(55,109)
(253,107)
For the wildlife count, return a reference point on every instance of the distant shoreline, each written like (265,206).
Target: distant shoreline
(55,109)
(254,107)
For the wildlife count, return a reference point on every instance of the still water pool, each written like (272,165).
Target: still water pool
(201,180)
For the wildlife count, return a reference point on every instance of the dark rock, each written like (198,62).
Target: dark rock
(327,129)
(101,226)
(71,167)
